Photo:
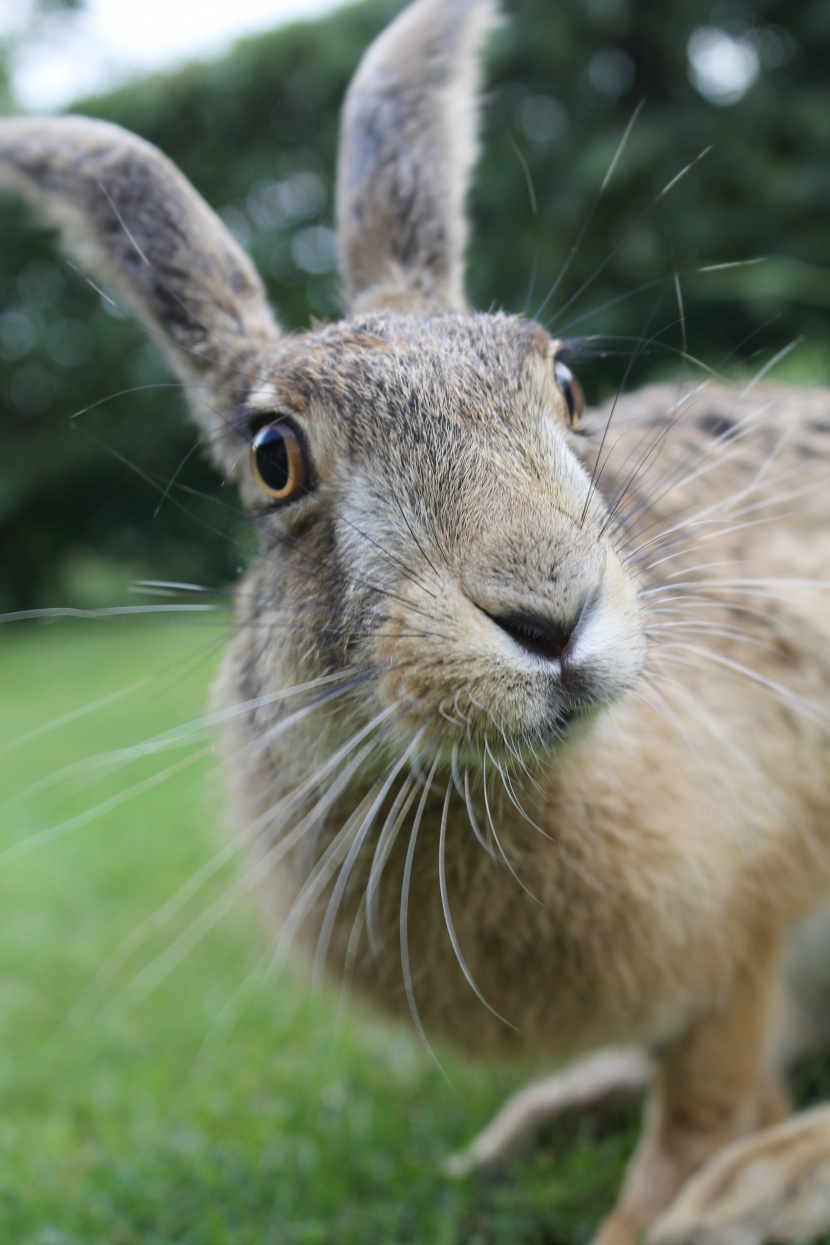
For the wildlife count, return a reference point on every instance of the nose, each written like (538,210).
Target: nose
(543,637)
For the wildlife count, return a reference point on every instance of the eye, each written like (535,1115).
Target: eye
(278,462)
(571,392)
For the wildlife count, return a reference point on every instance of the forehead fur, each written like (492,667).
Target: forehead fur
(411,370)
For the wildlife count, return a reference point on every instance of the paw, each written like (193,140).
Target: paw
(602,1080)
(773,1186)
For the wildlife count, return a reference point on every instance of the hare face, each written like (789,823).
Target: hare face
(448,538)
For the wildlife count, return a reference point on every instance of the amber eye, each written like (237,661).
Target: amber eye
(571,392)
(278,462)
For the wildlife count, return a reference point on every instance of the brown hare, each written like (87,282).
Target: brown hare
(529,738)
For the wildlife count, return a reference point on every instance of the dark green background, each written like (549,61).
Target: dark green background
(256,133)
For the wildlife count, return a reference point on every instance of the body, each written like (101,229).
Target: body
(557,920)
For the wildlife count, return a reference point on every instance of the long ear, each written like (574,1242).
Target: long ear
(408,142)
(133,220)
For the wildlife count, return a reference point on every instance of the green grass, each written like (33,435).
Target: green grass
(156,1097)
(159,1087)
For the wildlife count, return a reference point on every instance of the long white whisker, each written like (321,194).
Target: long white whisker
(92,768)
(511,795)
(59,831)
(658,700)
(89,1001)
(403,925)
(785,694)
(74,714)
(386,841)
(448,921)
(384,786)
(163,965)
(463,789)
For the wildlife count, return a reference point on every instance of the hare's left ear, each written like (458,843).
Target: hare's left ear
(134,220)
(407,146)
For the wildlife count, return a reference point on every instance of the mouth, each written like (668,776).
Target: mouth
(567,722)
(559,729)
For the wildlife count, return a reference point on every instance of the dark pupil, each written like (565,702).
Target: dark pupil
(272,460)
(570,401)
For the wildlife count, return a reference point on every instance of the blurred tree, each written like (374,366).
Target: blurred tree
(91,428)
(24,25)
(28,22)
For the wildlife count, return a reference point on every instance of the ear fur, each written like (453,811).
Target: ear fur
(133,220)
(408,143)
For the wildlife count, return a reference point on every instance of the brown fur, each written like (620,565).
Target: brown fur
(612,847)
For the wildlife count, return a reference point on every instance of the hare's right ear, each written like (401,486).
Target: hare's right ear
(407,146)
(133,220)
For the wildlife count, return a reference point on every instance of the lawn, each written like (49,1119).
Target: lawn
(159,1083)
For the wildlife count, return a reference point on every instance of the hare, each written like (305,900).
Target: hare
(529,738)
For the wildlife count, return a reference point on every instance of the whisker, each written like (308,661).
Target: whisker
(600,268)
(651,694)
(386,841)
(382,788)
(508,789)
(403,924)
(445,904)
(159,968)
(464,792)
(182,736)
(90,1000)
(112,611)
(776,358)
(783,693)
(53,833)
(574,248)
(74,715)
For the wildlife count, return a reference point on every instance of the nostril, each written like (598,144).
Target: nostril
(534,633)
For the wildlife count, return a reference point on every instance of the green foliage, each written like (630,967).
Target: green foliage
(256,133)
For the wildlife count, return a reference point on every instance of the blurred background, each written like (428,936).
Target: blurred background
(92,431)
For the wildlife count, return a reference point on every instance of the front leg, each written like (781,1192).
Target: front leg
(598,1082)
(711,1087)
